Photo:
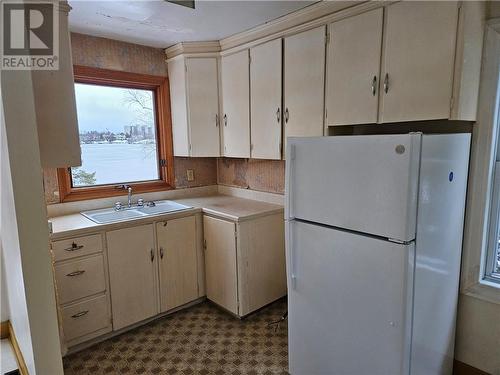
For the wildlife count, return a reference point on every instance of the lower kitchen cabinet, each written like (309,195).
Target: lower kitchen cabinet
(132,274)
(245,262)
(220,262)
(80,272)
(177,262)
(127,274)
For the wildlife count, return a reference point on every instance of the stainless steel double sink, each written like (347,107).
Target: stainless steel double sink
(111,215)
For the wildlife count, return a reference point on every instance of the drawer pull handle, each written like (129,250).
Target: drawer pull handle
(80,314)
(75,273)
(161,252)
(74,247)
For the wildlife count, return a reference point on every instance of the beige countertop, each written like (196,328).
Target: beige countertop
(223,206)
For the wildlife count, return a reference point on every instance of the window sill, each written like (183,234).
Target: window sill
(484,290)
(97,192)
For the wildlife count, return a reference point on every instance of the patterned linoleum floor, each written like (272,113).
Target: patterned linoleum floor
(199,340)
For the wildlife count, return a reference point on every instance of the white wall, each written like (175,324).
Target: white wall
(4,302)
(478,334)
(24,231)
(478,324)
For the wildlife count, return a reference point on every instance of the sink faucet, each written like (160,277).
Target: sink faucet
(129,190)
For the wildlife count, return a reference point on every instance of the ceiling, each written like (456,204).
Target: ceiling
(160,24)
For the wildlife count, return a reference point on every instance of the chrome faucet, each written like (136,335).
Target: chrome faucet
(129,190)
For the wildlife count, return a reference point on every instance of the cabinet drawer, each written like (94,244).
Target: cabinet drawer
(85,317)
(80,278)
(75,247)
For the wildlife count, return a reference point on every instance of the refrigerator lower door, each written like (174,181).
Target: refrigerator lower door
(349,302)
(363,183)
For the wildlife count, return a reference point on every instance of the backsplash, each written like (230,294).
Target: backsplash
(253,174)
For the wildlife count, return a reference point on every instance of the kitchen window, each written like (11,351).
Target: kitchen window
(492,264)
(125,135)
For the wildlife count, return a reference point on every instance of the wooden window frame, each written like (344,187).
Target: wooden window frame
(160,87)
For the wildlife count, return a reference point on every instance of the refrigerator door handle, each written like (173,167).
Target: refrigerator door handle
(291,254)
(288,181)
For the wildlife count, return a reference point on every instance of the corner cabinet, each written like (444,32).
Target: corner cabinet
(178,274)
(194,101)
(236,105)
(244,262)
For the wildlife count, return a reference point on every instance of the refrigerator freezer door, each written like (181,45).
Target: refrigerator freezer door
(443,184)
(347,302)
(361,183)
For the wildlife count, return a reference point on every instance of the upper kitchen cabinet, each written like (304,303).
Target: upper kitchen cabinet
(418,61)
(195,106)
(55,105)
(265,100)
(304,74)
(236,104)
(353,69)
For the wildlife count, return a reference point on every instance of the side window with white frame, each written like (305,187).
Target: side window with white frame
(492,265)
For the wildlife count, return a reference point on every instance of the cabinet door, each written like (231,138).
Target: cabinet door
(132,274)
(177,262)
(353,69)
(418,61)
(304,83)
(203,106)
(220,262)
(265,102)
(55,104)
(236,105)
(177,80)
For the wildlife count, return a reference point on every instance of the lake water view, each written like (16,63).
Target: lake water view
(116,163)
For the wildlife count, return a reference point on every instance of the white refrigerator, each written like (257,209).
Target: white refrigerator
(373,246)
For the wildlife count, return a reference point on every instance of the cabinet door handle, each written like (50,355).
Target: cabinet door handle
(278,115)
(161,252)
(76,273)
(225,119)
(80,314)
(74,247)
(374,85)
(386,83)
(216,120)
(152,255)
(286,115)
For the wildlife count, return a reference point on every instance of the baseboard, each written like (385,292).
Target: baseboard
(460,368)
(23,369)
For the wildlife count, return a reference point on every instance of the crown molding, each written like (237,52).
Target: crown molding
(358,8)
(318,14)
(287,21)
(184,48)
